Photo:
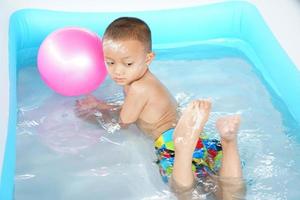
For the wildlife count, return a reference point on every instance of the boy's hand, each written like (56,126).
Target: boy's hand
(86,107)
(88,103)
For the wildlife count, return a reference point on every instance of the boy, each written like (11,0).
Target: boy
(182,154)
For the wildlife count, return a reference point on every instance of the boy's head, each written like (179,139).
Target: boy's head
(129,28)
(127,49)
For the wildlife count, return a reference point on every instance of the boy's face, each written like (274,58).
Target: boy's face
(126,60)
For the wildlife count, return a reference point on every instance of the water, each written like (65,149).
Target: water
(62,157)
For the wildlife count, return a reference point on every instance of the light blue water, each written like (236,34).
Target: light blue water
(62,157)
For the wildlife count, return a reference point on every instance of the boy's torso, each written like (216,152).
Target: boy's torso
(159,113)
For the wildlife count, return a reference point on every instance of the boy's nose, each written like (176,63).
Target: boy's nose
(118,70)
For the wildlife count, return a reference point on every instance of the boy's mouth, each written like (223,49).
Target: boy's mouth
(119,79)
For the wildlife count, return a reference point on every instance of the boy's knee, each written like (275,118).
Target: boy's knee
(232,188)
(180,189)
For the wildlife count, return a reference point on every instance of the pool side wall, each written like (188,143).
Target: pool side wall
(236,24)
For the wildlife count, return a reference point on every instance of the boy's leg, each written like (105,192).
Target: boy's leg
(228,129)
(186,135)
(230,180)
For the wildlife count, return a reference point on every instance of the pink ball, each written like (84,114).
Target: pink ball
(70,61)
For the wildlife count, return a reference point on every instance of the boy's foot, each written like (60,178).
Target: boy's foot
(190,125)
(228,127)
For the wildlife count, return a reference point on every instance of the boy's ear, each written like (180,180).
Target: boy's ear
(150,57)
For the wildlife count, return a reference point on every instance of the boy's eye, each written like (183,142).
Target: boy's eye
(129,64)
(109,63)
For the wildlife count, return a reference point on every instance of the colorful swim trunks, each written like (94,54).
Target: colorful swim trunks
(206,158)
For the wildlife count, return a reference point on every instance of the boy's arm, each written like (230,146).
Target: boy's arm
(90,103)
(86,107)
(105,106)
(133,105)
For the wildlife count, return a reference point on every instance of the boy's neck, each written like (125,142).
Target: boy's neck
(142,76)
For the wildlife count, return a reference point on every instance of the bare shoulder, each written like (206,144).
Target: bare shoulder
(138,87)
(144,85)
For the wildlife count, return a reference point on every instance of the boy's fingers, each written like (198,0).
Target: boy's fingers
(79,102)
(80,109)
(82,113)
(85,111)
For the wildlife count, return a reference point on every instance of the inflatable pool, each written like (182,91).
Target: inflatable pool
(235,25)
